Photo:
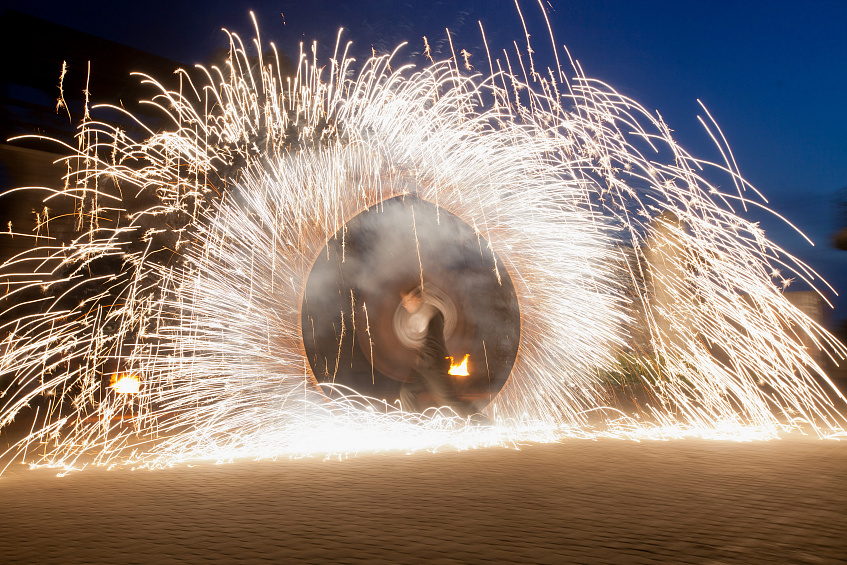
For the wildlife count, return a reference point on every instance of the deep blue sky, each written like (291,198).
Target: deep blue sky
(774,74)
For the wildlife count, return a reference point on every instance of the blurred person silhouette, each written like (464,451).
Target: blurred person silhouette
(430,371)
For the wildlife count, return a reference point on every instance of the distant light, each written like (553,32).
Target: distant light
(126,384)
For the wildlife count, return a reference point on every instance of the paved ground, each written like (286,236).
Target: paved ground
(574,502)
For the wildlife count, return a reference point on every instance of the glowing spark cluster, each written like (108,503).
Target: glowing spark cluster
(632,270)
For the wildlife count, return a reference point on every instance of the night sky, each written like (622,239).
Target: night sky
(773,74)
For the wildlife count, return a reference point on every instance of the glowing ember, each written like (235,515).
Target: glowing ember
(126,384)
(459,369)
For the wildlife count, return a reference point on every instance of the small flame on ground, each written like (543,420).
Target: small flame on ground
(460,369)
(126,384)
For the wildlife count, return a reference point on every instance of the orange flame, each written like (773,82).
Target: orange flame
(126,384)
(459,369)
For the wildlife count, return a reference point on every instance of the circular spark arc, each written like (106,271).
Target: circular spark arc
(628,265)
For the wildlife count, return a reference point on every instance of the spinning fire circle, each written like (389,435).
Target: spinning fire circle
(289,212)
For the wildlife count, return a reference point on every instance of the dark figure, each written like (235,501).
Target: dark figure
(432,365)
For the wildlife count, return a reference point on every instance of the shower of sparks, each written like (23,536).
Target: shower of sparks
(633,272)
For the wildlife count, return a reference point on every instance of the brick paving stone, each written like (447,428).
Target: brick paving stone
(605,501)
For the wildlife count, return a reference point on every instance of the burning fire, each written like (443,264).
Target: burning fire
(126,384)
(459,369)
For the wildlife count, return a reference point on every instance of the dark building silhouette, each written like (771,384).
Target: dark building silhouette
(37,54)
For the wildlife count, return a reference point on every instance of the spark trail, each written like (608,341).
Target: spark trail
(629,266)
